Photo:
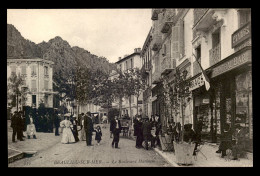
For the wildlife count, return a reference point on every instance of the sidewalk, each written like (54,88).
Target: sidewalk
(19,149)
(213,158)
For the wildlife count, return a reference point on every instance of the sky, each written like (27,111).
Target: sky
(110,33)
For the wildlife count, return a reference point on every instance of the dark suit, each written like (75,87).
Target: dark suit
(14,125)
(88,125)
(75,130)
(147,136)
(116,131)
(56,124)
(139,133)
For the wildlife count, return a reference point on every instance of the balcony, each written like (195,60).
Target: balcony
(196,68)
(147,93)
(198,14)
(167,20)
(156,77)
(168,65)
(214,55)
(155,13)
(156,42)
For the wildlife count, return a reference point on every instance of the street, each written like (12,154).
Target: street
(80,155)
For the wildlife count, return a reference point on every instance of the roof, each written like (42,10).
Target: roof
(127,57)
(30,60)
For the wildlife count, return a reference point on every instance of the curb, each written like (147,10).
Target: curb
(15,157)
(162,155)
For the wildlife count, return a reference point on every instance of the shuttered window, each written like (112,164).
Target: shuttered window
(33,69)
(178,40)
(23,69)
(33,84)
(46,84)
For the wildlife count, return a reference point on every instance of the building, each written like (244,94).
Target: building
(123,64)
(37,74)
(220,41)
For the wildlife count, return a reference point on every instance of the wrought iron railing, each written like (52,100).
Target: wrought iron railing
(215,55)
(167,64)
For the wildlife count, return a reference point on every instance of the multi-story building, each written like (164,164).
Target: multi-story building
(37,75)
(146,55)
(220,41)
(123,64)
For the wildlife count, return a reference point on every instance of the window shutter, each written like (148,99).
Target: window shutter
(33,84)
(175,42)
(23,69)
(181,37)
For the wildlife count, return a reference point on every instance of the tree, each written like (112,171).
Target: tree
(16,89)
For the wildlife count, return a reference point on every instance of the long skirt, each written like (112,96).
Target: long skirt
(82,134)
(31,130)
(67,136)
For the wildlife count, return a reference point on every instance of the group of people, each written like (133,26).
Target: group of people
(71,133)
(142,131)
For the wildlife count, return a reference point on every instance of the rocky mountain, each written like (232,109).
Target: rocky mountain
(57,50)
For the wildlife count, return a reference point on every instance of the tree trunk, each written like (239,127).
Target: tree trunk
(17,102)
(182,114)
(130,107)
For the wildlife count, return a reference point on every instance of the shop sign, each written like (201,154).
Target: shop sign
(236,61)
(241,34)
(196,83)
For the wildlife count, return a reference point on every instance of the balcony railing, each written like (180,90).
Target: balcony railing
(198,13)
(196,68)
(167,20)
(156,42)
(167,65)
(155,13)
(156,77)
(214,55)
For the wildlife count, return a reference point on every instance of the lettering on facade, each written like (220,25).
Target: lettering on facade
(241,35)
(196,83)
(233,63)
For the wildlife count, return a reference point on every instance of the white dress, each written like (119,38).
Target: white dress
(67,135)
(83,132)
(31,128)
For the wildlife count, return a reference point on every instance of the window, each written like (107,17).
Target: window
(23,70)
(132,64)
(45,70)
(33,84)
(198,53)
(164,50)
(34,100)
(216,38)
(33,68)
(120,67)
(46,84)
(126,65)
(244,17)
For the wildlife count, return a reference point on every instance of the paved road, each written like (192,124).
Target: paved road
(80,155)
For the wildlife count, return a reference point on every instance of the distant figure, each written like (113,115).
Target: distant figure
(31,131)
(98,134)
(188,134)
(88,125)
(75,128)
(67,135)
(146,132)
(14,125)
(105,119)
(139,133)
(115,128)
(56,123)
(20,126)
(83,131)
(158,128)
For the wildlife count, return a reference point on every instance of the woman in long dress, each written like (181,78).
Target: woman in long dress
(31,131)
(83,132)
(67,135)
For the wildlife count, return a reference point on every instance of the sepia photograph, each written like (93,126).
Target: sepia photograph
(129,87)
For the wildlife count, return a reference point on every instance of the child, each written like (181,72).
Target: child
(31,131)
(98,134)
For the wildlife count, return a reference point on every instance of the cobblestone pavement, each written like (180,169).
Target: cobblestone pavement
(80,155)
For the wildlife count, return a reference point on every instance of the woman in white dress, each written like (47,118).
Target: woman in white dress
(67,135)
(31,131)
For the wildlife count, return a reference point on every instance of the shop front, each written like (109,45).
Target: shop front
(231,80)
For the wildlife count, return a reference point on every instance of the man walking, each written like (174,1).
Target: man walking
(139,133)
(88,125)
(146,129)
(56,123)
(14,125)
(115,128)
(20,126)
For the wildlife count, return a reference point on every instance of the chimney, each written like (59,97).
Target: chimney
(137,50)
(119,58)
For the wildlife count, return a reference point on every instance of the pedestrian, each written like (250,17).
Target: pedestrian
(188,134)
(240,142)
(14,125)
(115,128)
(75,128)
(158,128)
(20,126)
(82,130)
(146,132)
(98,134)
(67,135)
(104,119)
(56,123)
(225,140)
(31,131)
(88,125)
(139,133)
(198,131)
